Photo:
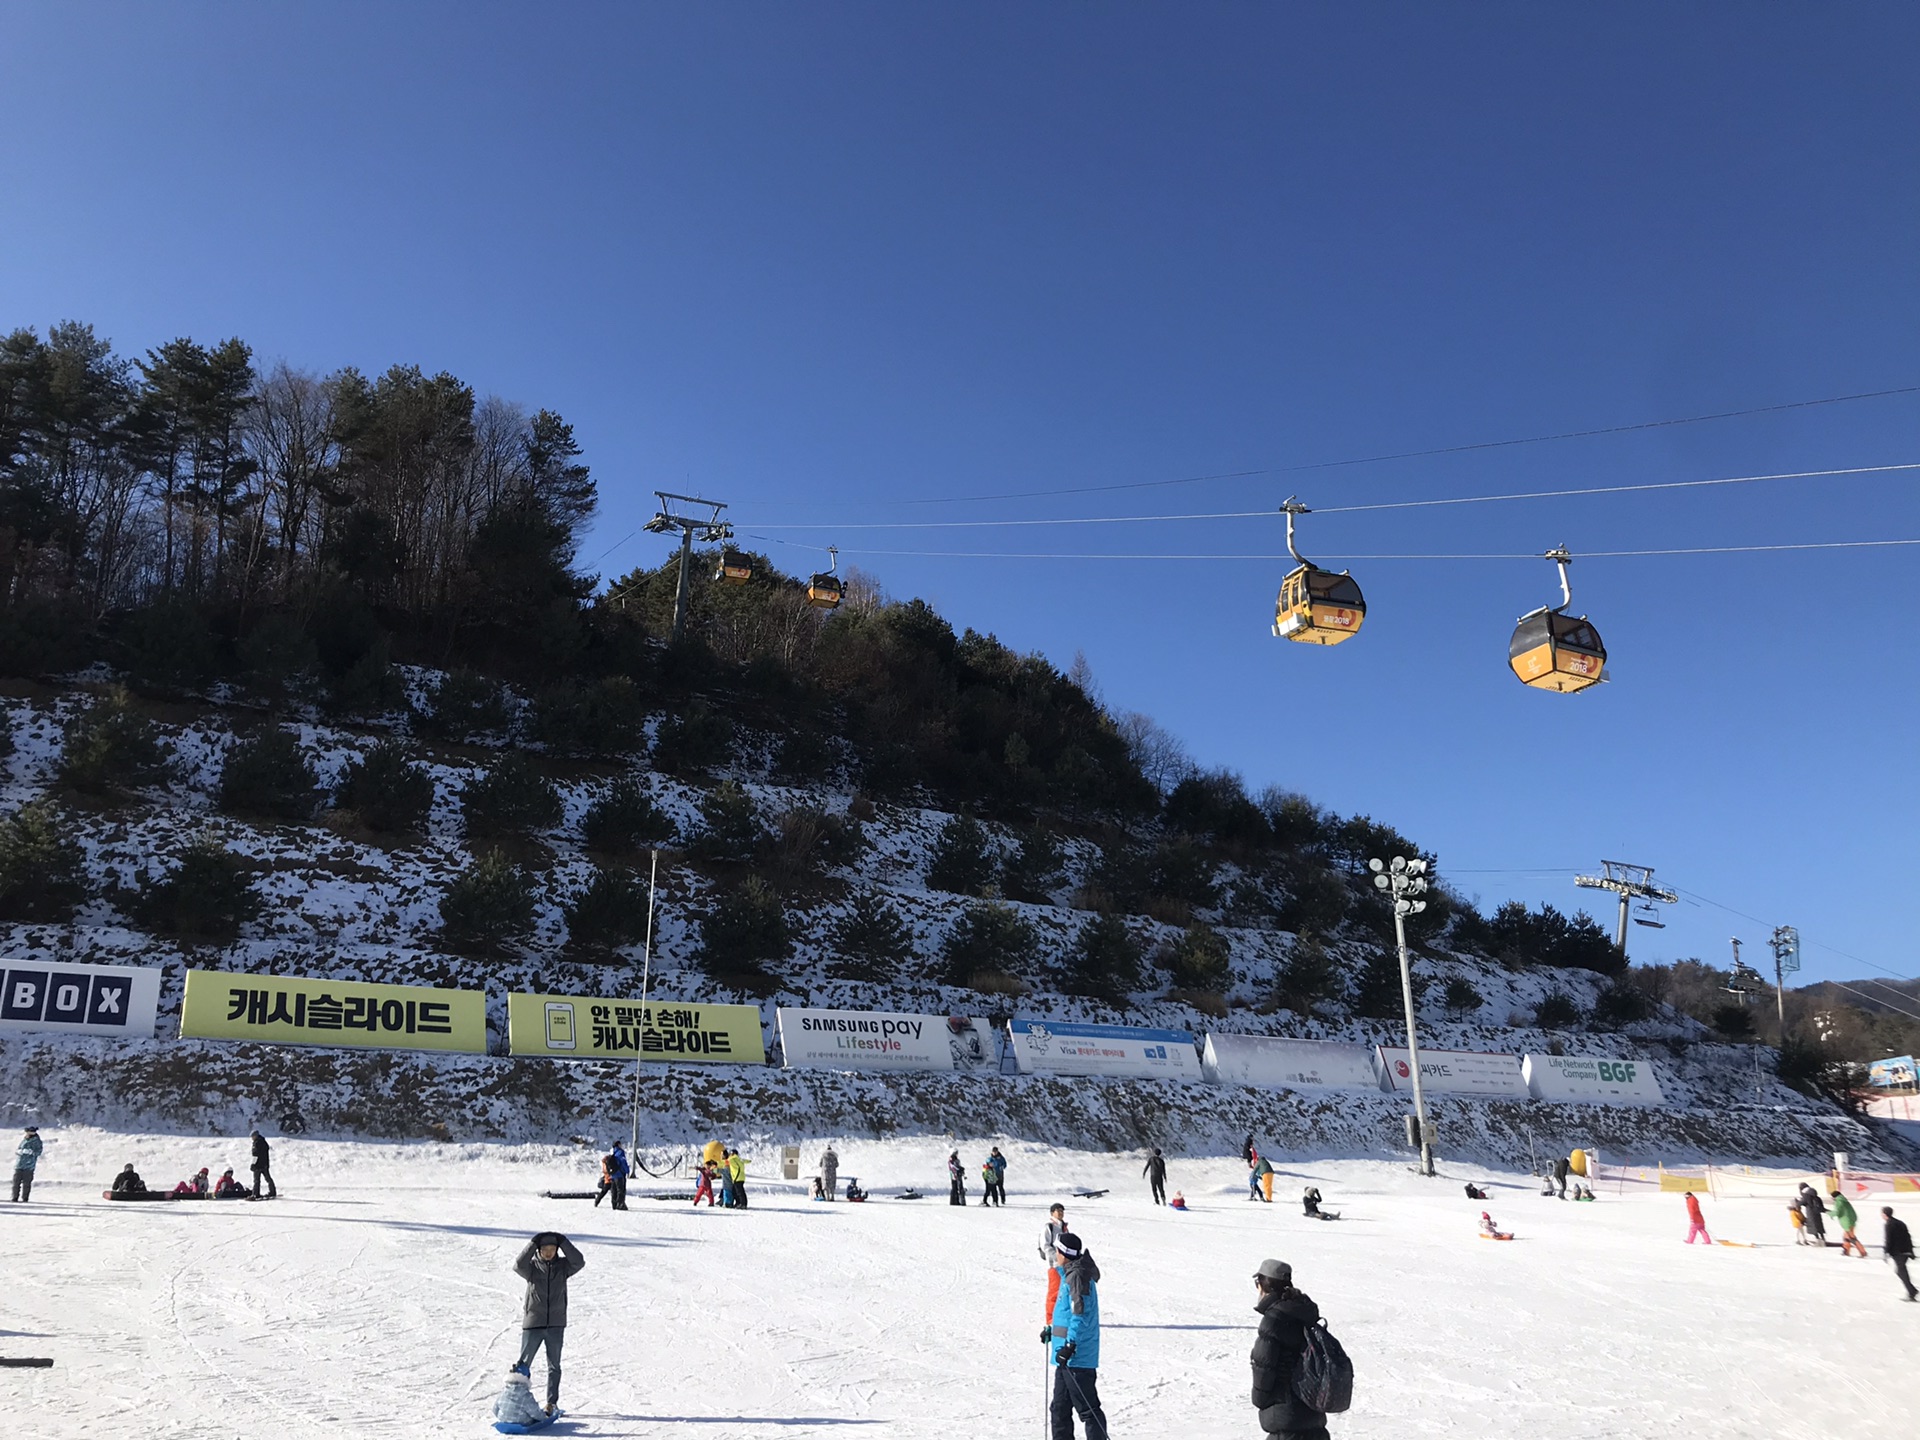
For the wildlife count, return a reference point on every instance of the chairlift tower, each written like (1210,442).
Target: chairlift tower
(1630,883)
(1785,944)
(712,529)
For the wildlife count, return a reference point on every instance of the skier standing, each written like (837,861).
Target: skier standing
(1056,1227)
(994,1173)
(1285,1313)
(956,1179)
(1813,1211)
(547,1263)
(1074,1337)
(1897,1245)
(830,1173)
(1156,1173)
(737,1172)
(617,1172)
(1696,1222)
(726,1180)
(262,1171)
(24,1159)
(1560,1172)
(1845,1217)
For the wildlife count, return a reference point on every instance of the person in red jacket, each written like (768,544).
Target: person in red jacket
(1696,1221)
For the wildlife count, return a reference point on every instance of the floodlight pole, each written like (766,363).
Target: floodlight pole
(646,977)
(1403,880)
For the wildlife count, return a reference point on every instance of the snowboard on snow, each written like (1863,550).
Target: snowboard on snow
(514,1427)
(571,1194)
(1484,1236)
(1088,1194)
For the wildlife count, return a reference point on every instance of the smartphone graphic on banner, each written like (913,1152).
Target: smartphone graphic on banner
(560,1025)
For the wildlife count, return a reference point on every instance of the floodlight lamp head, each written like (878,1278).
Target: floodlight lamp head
(1418,906)
(1375,866)
(658,525)
(1380,882)
(1416,886)
(1401,907)
(1418,867)
(1399,864)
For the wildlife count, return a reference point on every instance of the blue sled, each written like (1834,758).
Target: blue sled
(509,1427)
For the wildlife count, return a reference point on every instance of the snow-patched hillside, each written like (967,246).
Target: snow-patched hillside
(374,1299)
(342,905)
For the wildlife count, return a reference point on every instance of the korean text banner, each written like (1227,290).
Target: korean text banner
(78,999)
(1065,1048)
(885,1040)
(1588,1077)
(582,1027)
(1456,1072)
(228,1005)
(1276,1063)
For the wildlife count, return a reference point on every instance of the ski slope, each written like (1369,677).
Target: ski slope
(374,1299)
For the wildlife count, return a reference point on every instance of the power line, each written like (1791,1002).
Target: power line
(1424,454)
(1352,509)
(1283,557)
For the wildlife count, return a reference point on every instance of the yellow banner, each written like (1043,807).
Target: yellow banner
(574,1027)
(226,1005)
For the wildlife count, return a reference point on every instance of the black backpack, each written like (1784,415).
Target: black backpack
(1323,1378)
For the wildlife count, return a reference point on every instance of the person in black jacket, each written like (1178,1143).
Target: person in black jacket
(1156,1173)
(1285,1313)
(1814,1211)
(262,1152)
(547,1263)
(1897,1246)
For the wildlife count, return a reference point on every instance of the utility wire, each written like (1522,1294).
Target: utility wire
(1352,509)
(1423,454)
(1336,555)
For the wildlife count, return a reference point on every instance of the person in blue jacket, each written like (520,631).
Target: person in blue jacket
(614,1170)
(24,1159)
(1074,1337)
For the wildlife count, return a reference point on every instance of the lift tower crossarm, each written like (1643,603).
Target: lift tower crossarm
(712,530)
(1630,883)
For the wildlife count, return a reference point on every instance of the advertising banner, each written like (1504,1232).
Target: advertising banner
(583,1027)
(1282,1064)
(79,999)
(281,1010)
(1893,1073)
(1456,1072)
(1586,1077)
(1064,1048)
(885,1040)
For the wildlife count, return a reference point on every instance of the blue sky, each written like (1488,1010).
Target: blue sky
(827,261)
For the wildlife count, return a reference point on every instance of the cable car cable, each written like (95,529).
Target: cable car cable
(1423,454)
(1355,509)
(1270,558)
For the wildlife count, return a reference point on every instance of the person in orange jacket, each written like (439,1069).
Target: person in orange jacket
(1697,1223)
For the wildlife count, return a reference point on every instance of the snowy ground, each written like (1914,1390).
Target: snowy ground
(374,1300)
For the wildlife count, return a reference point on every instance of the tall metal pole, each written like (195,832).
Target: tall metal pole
(646,977)
(1403,880)
(1413,1044)
(684,593)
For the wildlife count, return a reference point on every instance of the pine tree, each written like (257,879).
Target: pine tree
(1035,867)
(42,872)
(1377,993)
(208,896)
(871,938)
(731,828)
(509,802)
(962,861)
(609,912)
(1201,959)
(269,776)
(1308,976)
(1557,1010)
(623,820)
(990,938)
(463,705)
(745,930)
(111,748)
(1463,996)
(1105,960)
(386,791)
(488,908)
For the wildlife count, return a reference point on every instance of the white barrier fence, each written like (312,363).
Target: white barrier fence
(1456,1072)
(1589,1077)
(1059,1047)
(1277,1063)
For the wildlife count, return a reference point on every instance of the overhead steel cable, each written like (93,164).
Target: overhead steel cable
(1349,509)
(1312,465)
(1334,555)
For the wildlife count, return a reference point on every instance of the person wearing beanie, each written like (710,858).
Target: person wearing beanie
(1845,1217)
(24,1160)
(1896,1246)
(547,1263)
(1074,1337)
(1285,1314)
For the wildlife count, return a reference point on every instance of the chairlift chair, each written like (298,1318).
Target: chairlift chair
(1315,606)
(1552,650)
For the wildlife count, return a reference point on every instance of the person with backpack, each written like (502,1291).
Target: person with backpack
(1846,1218)
(1289,1325)
(1074,1340)
(1156,1173)
(1696,1222)
(1896,1246)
